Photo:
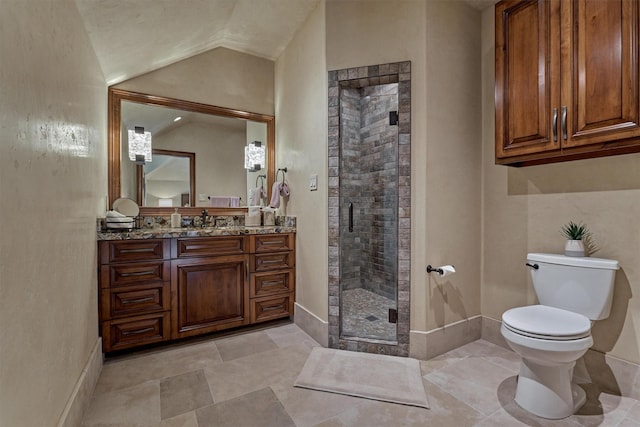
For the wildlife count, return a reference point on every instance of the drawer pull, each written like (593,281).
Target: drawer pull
(271,242)
(138,273)
(272,261)
(555,125)
(136,301)
(139,250)
(138,332)
(271,308)
(564,122)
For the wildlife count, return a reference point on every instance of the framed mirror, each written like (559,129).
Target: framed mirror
(168,181)
(216,136)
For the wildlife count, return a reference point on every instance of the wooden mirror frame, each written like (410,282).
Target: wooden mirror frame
(116,96)
(192,174)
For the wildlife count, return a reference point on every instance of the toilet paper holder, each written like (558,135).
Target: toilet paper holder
(442,270)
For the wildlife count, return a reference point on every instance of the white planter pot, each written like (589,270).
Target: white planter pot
(574,248)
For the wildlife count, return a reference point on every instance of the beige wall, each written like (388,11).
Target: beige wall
(52,188)
(301,132)
(220,77)
(445,149)
(452,190)
(523,210)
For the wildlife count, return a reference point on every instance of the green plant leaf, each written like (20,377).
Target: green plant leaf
(575,231)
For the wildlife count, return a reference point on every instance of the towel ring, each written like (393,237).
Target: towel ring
(260,177)
(284,170)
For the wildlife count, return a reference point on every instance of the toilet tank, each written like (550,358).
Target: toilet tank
(580,284)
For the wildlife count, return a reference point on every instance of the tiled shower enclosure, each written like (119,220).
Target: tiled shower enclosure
(369,207)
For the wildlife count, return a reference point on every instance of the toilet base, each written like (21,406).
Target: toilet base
(547,390)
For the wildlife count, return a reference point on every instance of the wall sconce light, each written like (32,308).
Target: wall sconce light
(139,145)
(254,156)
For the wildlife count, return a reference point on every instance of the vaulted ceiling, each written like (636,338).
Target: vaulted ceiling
(133,37)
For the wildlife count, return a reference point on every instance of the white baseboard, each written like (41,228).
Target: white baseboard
(317,328)
(81,396)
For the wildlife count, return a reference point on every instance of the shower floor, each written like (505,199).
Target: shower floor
(366,315)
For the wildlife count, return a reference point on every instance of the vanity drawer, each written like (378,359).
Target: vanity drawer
(272,261)
(272,242)
(135,301)
(264,284)
(116,275)
(207,246)
(135,331)
(134,250)
(269,308)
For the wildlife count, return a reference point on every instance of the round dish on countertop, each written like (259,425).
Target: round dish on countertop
(126,207)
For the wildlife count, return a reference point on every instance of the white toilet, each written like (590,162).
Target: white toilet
(550,337)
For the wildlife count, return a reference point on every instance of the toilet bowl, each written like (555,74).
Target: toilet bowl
(552,336)
(549,353)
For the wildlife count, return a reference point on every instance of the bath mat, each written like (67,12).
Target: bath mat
(372,376)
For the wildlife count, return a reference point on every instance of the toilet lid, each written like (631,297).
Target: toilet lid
(541,321)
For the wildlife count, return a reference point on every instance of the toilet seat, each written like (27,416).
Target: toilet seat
(547,323)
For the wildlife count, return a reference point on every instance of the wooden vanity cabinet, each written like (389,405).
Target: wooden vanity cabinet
(567,80)
(134,292)
(155,290)
(272,266)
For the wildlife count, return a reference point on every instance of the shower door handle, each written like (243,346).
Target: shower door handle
(350,217)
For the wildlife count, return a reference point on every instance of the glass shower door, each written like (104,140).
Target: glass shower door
(368,172)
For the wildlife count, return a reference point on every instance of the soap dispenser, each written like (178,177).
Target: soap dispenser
(176,219)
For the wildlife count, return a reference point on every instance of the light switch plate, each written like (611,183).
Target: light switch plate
(202,197)
(313,182)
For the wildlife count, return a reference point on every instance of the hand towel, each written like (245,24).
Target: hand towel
(220,201)
(115,214)
(254,197)
(114,220)
(275,195)
(278,189)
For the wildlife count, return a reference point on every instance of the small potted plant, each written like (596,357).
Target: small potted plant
(579,242)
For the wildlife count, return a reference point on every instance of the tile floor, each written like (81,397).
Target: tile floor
(246,380)
(366,315)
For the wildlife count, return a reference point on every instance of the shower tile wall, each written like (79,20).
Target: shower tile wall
(369,152)
(350,184)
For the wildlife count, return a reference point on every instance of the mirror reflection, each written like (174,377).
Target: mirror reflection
(218,147)
(167,181)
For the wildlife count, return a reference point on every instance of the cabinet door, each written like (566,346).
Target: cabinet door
(600,71)
(527,86)
(208,294)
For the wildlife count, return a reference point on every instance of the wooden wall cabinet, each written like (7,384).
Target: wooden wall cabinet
(163,289)
(567,80)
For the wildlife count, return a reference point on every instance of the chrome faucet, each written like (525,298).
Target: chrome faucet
(204,218)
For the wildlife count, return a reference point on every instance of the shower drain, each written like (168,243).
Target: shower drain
(371,318)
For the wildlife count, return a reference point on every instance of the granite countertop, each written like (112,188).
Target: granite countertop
(168,233)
